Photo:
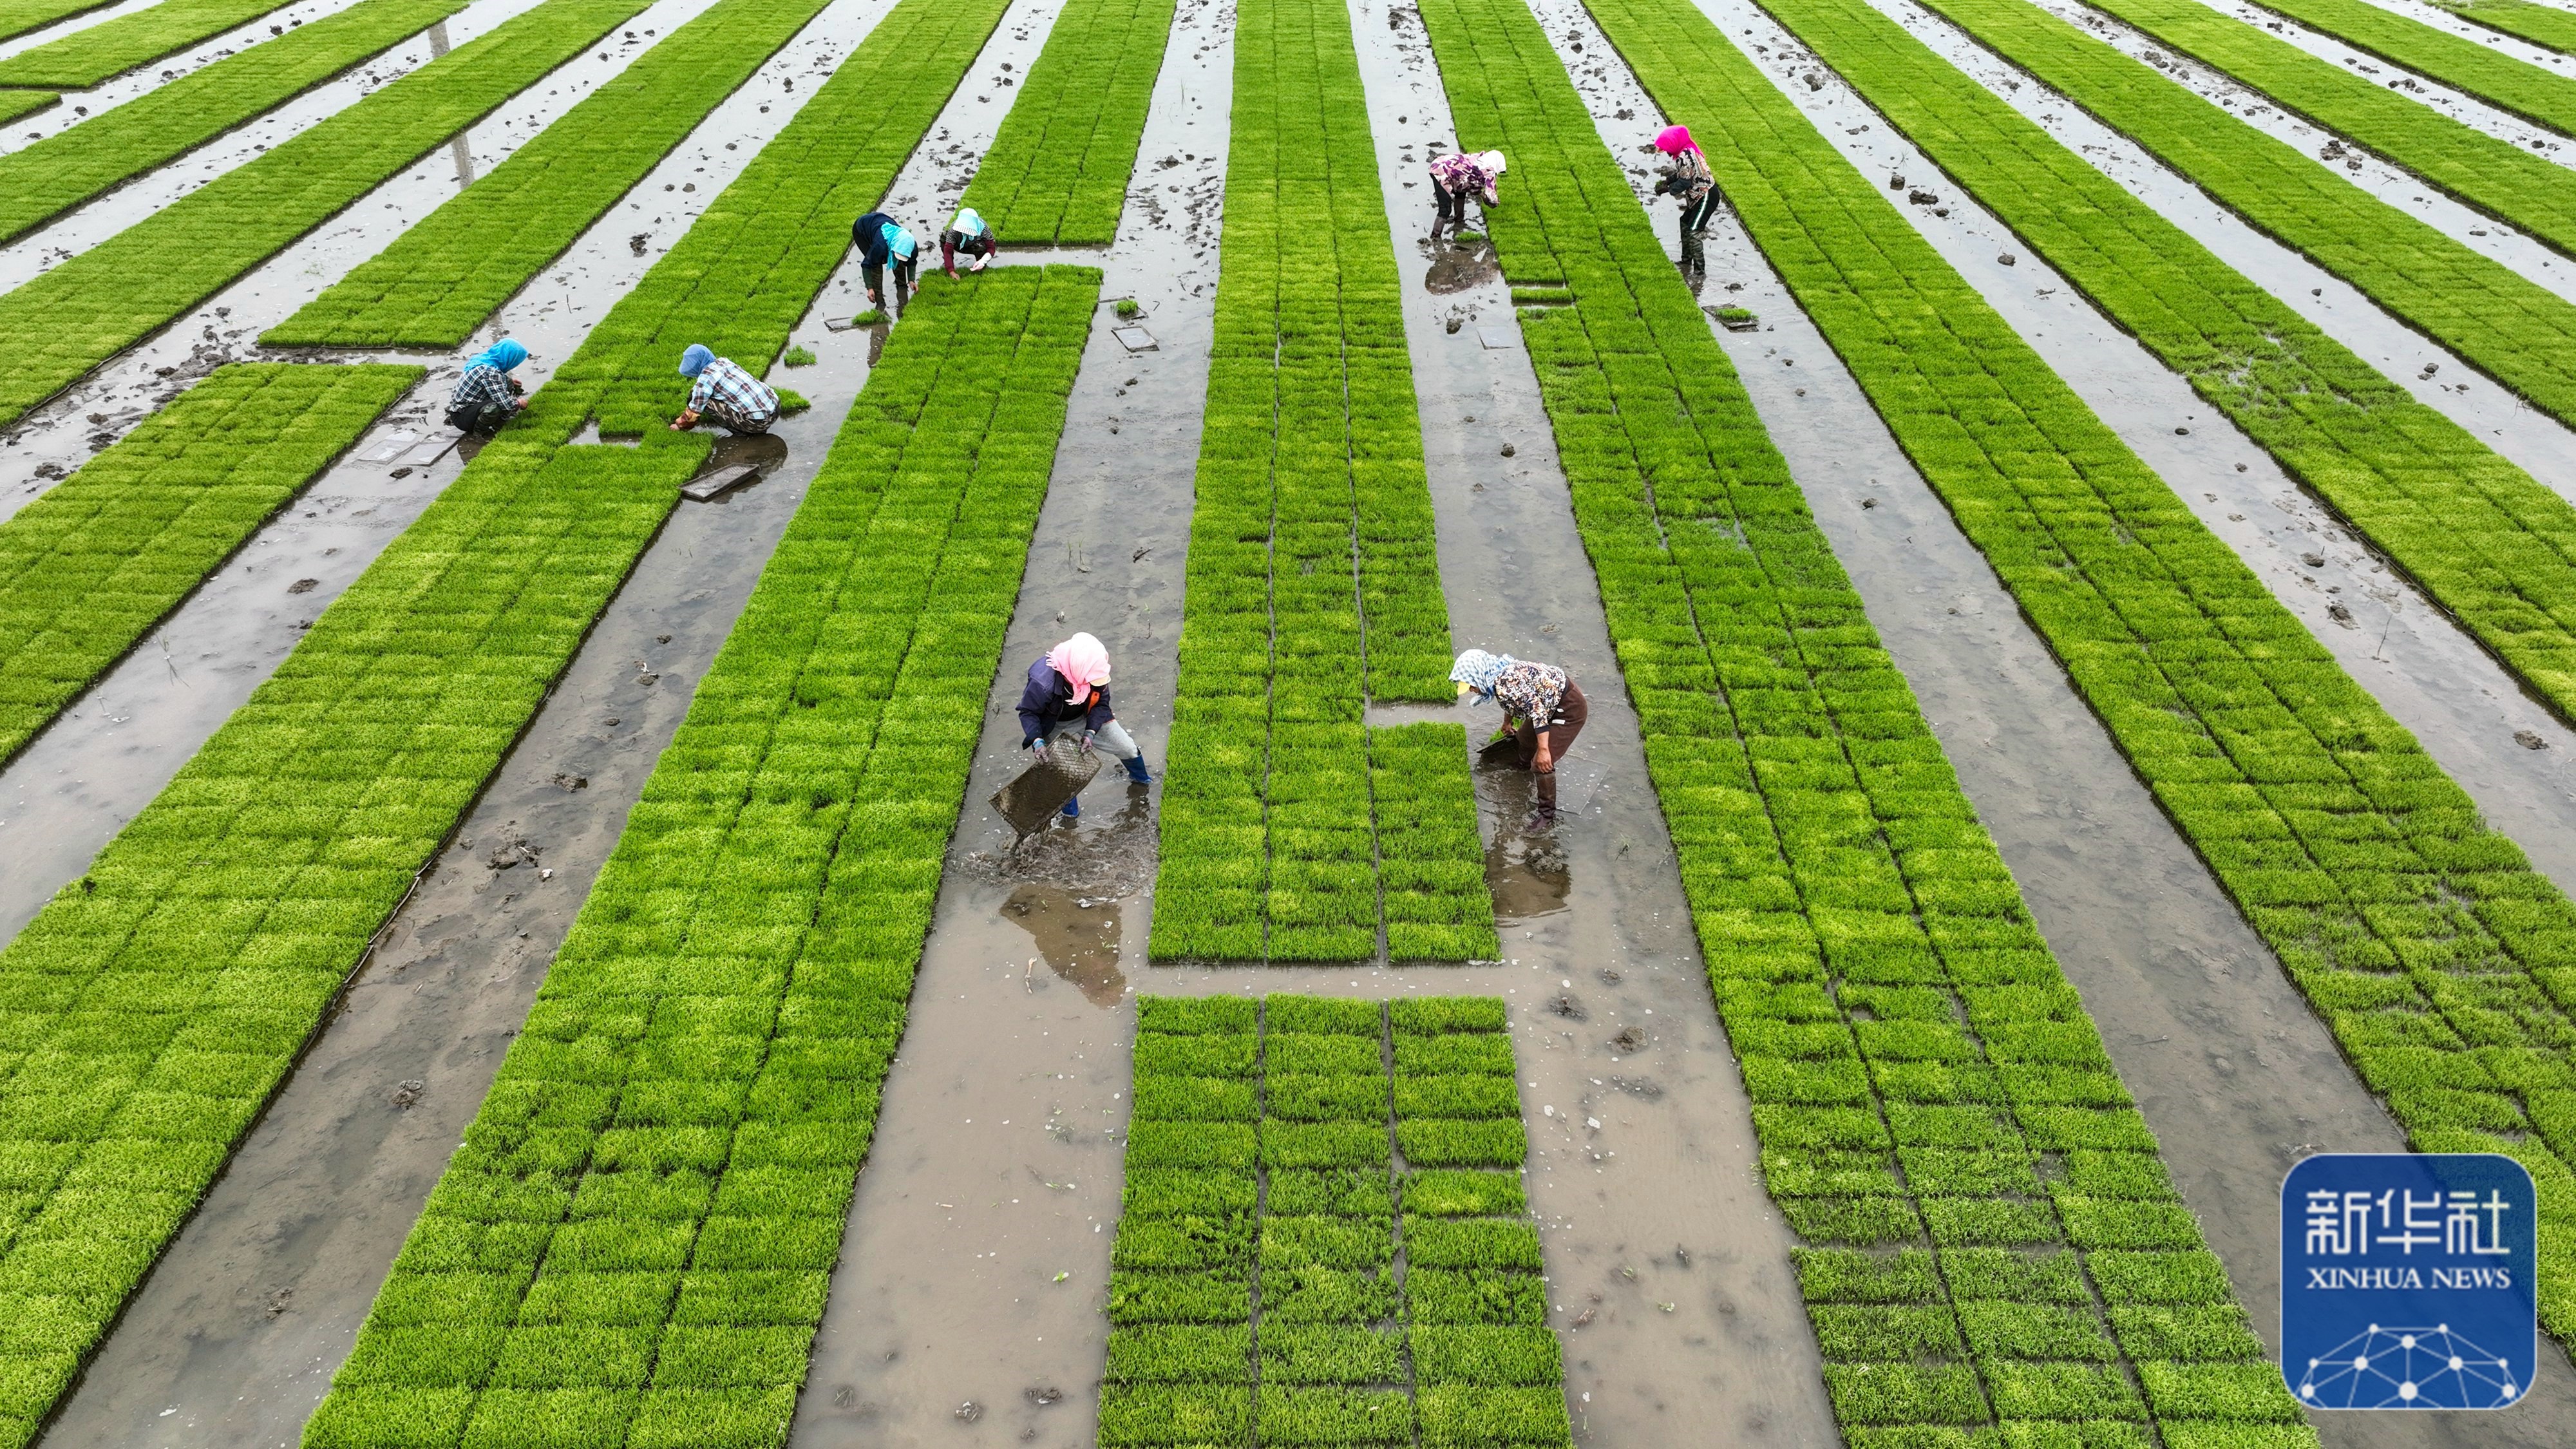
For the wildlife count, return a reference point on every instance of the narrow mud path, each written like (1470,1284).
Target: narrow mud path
(2232,1071)
(947,1294)
(79,782)
(2468,711)
(118,89)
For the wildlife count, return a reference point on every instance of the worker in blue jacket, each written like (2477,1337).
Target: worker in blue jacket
(1068,689)
(882,240)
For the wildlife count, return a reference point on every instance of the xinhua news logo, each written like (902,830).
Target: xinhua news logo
(2409,1280)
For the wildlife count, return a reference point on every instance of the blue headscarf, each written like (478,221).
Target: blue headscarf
(695,360)
(900,240)
(504,354)
(1479,670)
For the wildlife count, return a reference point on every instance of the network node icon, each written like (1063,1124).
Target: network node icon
(2408,1368)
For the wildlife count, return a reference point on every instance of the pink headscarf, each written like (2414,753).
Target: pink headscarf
(1674,140)
(1082,660)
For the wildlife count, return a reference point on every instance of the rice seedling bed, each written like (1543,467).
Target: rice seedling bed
(1895,1014)
(88,309)
(2427,943)
(17,17)
(90,567)
(2501,80)
(1323,1238)
(14,104)
(439,280)
(2484,538)
(156,1003)
(1058,171)
(2543,25)
(640,1224)
(1291,830)
(84,58)
(41,181)
(2514,330)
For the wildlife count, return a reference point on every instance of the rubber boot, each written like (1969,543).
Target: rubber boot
(1137,774)
(1073,808)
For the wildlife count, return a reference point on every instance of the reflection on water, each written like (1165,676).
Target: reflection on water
(1458,266)
(1077,935)
(1528,876)
(765,451)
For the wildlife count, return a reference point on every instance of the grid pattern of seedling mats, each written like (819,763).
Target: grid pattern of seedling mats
(154,1005)
(44,179)
(633,1243)
(1989,1240)
(2503,81)
(99,558)
(1324,1239)
(86,57)
(446,273)
(17,17)
(1290,828)
(1058,170)
(2543,25)
(2515,330)
(2432,949)
(2492,544)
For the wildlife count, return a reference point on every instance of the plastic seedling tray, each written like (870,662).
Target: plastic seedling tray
(1136,339)
(723,480)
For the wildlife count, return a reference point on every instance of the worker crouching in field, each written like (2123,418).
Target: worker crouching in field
(882,242)
(1686,175)
(1542,711)
(1068,690)
(969,236)
(724,395)
(1455,178)
(487,395)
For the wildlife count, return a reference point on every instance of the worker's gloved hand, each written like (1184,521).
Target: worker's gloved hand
(979,264)
(1037,744)
(1086,742)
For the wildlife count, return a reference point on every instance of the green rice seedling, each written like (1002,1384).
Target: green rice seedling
(2543,25)
(84,58)
(46,178)
(2515,330)
(869,318)
(797,357)
(1878,978)
(270,878)
(1290,831)
(2426,941)
(18,17)
(2436,54)
(17,104)
(88,568)
(1126,307)
(1344,1347)
(792,402)
(743,1099)
(1058,169)
(441,278)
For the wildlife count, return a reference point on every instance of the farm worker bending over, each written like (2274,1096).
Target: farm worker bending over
(725,394)
(1454,178)
(1069,688)
(1687,176)
(882,239)
(487,395)
(970,234)
(1542,710)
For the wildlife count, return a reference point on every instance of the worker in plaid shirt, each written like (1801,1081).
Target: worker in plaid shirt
(724,394)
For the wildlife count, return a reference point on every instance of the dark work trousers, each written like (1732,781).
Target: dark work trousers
(1695,215)
(1452,204)
(1561,731)
(905,268)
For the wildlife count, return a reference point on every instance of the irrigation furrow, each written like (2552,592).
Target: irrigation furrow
(82,60)
(2542,25)
(1081,110)
(2477,70)
(19,17)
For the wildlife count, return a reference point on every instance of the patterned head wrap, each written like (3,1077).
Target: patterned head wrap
(1477,670)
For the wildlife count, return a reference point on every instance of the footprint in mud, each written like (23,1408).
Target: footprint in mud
(1077,934)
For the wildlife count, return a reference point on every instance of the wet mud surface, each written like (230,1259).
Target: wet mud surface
(237,1331)
(2232,1070)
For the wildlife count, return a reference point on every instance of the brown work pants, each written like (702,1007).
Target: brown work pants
(1560,737)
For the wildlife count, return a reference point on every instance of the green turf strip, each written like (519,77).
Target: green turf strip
(1323,1238)
(121,291)
(152,1007)
(2491,544)
(86,57)
(441,278)
(1058,171)
(2514,330)
(2439,958)
(14,104)
(17,17)
(2506,82)
(1313,583)
(90,567)
(52,176)
(636,1236)
(1927,1087)
(2485,171)
(2542,25)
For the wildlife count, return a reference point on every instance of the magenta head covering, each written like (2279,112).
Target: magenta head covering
(1674,140)
(1082,660)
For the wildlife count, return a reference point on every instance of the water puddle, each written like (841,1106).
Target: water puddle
(1076,936)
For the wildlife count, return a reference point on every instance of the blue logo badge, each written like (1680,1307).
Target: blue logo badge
(2409,1280)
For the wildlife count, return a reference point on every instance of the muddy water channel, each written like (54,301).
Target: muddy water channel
(2230,1067)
